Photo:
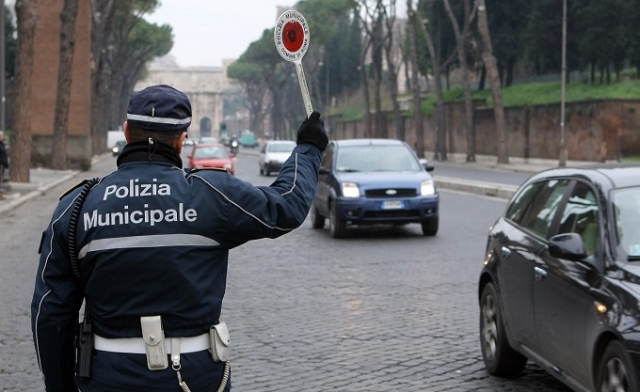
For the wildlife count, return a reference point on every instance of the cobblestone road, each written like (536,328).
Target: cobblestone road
(384,310)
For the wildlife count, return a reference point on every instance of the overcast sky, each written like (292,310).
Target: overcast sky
(208,31)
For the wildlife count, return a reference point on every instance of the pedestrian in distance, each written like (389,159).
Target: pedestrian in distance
(146,247)
(4,162)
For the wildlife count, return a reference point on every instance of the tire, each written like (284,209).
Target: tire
(499,357)
(430,227)
(261,171)
(317,220)
(615,371)
(337,227)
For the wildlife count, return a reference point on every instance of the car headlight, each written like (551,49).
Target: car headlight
(428,188)
(349,189)
(114,149)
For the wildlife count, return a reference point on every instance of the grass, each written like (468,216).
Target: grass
(520,95)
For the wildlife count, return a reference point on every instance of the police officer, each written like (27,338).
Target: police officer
(152,246)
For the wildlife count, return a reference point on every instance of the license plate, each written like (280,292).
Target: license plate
(392,205)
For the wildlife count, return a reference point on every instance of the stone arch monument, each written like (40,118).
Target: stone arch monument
(203,85)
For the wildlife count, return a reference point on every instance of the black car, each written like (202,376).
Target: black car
(374,181)
(561,279)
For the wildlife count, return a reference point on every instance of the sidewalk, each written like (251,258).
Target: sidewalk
(42,180)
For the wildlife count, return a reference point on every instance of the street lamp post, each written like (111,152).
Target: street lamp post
(563,143)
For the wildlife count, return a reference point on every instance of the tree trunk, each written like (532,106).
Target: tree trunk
(441,131)
(466,82)
(494,79)
(417,101)
(65,71)
(393,70)
(27,16)
(365,91)
(103,12)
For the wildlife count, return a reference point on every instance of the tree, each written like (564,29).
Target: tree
(494,80)
(441,144)
(466,82)
(112,41)
(417,101)
(393,56)
(27,17)
(249,76)
(65,71)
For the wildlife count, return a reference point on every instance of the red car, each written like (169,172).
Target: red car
(211,155)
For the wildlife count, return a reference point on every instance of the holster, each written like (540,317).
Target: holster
(220,342)
(84,348)
(153,336)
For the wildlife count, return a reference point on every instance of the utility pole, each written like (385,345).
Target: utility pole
(2,70)
(563,142)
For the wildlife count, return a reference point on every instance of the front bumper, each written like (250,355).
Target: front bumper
(362,211)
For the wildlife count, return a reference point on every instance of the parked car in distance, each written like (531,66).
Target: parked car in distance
(374,181)
(117,148)
(211,155)
(273,154)
(560,283)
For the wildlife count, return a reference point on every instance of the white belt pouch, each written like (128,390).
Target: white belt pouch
(220,342)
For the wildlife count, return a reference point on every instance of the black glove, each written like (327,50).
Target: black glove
(312,131)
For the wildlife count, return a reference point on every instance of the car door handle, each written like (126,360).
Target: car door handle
(506,252)
(539,273)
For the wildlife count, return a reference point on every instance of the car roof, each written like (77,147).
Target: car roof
(281,142)
(367,142)
(200,145)
(607,175)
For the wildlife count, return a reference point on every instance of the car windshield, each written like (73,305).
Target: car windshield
(280,147)
(370,158)
(626,215)
(210,153)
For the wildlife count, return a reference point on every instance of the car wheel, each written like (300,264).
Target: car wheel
(261,171)
(317,220)
(337,227)
(616,372)
(430,227)
(499,358)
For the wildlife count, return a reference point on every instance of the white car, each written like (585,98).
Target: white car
(273,154)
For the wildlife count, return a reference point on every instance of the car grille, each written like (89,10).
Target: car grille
(400,192)
(391,214)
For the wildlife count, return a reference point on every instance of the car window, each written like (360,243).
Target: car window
(581,216)
(544,207)
(626,212)
(210,152)
(376,158)
(518,206)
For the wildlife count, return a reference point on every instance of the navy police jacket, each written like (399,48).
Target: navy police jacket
(154,241)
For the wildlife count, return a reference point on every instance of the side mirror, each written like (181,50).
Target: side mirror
(569,246)
(324,170)
(425,165)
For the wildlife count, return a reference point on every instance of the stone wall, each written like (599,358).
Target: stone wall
(594,131)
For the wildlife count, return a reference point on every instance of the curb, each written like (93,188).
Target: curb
(500,191)
(43,189)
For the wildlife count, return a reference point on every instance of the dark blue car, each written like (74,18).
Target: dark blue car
(374,181)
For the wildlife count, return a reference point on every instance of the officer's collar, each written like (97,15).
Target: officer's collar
(143,151)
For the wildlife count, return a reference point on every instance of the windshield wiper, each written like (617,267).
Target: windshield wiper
(348,170)
(633,258)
